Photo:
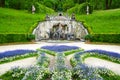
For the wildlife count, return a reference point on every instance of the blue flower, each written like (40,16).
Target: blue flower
(59,48)
(109,53)
(14,53)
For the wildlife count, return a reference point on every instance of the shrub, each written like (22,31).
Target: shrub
(60,71)
(31,37)
(43,60)
(36,73)
(111,38)
(8,38)
(83,72)
(17,4)
(15,73)
(88,37)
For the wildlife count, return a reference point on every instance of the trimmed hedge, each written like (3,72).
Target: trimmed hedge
(111,38)
(8,38)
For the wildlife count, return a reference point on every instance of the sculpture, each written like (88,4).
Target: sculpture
(33,9)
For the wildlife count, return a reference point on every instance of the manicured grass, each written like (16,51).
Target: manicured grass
(105,21)
(15,21)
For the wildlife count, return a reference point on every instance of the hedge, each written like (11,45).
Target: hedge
(111,38)
(8,38)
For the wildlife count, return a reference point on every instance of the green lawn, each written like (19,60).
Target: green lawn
(15,21)
(104,21)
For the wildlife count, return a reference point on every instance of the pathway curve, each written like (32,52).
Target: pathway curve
(21,63)
(67,60)
(96,62)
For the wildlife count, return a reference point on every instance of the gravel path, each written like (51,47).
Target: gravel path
(52,61)
(21,63)
(67,61)
(96,62)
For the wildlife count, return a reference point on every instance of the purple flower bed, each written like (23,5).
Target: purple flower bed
(14,53)
(60,48)
(109,53)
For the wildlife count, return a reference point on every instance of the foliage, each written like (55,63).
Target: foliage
(43,60)
(16,4)
(83,72)
(14,53)
(88,37)
(80,9)
(72,51)
(107,74)
(60,71)
(47,51)
(59,48)
(108,53)
(42,9)
(40,71)
(31,37)
(101,56)
(106,38)
(36,73)
(8,38)
(17,57)
(16,73)
(104,4)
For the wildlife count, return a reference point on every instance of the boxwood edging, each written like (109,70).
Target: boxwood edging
(15,37)
(18,57)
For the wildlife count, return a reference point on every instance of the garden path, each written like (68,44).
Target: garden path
(96,62)
(67,61)
(52,61)
(21,63)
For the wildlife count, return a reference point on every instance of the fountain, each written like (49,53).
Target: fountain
(59,28)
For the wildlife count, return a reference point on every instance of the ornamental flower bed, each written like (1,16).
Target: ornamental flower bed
(83,72)
(61,72)
(108,53)
(60,48)
(14,53)
(39,71)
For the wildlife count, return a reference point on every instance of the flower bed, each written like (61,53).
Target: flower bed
(81,72)
(13,58)
(40,71)
(14,53)
(61,72)
(108,53)
(59,48)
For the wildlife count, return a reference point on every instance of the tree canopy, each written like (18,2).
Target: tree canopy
(60,4)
